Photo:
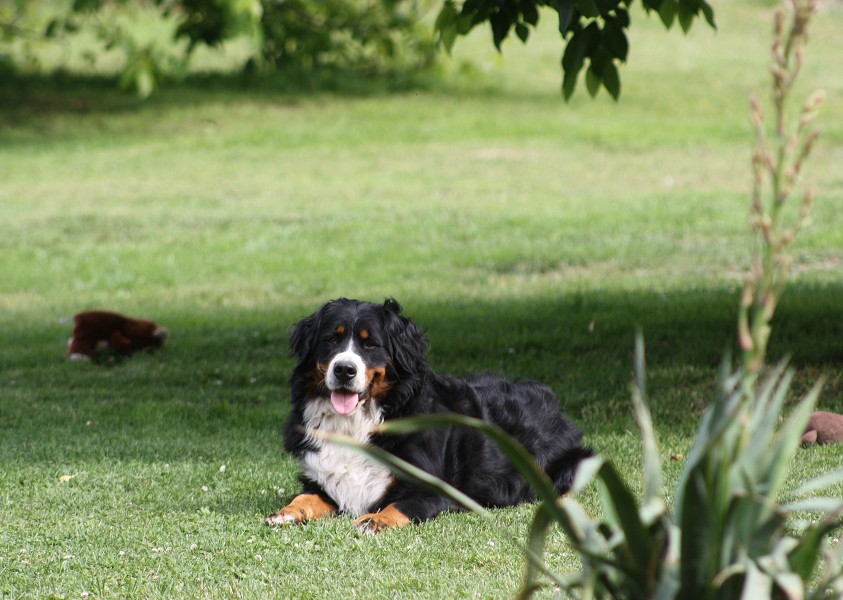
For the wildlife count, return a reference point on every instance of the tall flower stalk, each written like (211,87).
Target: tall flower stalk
(777,166)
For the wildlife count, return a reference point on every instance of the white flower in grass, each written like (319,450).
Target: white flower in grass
(222,469)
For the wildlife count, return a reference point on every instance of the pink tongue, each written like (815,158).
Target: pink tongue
(344,402)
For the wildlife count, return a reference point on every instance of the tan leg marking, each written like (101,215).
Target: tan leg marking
(390,517)
(304,507)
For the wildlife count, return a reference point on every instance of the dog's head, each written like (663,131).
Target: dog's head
(352,351)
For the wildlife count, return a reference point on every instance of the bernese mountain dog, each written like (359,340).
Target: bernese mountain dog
(360,364)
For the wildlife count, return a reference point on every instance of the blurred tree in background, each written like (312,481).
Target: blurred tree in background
(364,35)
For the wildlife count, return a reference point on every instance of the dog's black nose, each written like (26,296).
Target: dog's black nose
(345,371)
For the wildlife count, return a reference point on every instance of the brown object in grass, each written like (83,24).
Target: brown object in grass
(98,330)
(823,428)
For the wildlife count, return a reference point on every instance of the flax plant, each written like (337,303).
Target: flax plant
(777,167)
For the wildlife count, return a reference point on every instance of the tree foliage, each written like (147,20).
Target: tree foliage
(372,34)
(594,30)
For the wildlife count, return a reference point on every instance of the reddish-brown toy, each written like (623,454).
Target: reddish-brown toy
(97,330)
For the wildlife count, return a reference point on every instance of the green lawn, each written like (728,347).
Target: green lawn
(524,234)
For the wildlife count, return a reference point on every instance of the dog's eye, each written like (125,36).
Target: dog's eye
(369,345)
(331,340)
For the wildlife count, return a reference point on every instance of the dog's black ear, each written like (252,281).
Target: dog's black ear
(303,338)
(407,343)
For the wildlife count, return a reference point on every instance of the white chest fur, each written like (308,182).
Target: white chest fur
(354,483)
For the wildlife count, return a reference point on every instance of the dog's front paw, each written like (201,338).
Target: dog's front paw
(285,517)
(389,518)
(304,507)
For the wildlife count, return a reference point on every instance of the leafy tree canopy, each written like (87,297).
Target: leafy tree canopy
(370,34)
(594,30)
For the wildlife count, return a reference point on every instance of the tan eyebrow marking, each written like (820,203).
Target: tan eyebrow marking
(364,334)
(340,329)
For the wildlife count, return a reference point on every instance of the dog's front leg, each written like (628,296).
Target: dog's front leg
(303,508)
(419,506)
(388,518)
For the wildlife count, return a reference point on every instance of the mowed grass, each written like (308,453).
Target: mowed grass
(525,235)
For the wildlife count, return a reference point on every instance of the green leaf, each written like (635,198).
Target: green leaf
(757,585)
(788,442)
(565,9)
(790,584)
(404,469)
(614,40)
(830,506)
(448,35)
(622,17)
(817,483)
(805,557)
(530,14)
(708,12)
(588,8)
(446,17)
(611,80)
(586,472)
(652,464)
(569,83)
(606,6)
(522,32)
(766,408)
(686,15)
(542,521)
(465,23)
(501,24)
(523,461)
(446,24)
(694,518)
(667,11)
(623,506)
(592,82)
(575,51)
(669,583)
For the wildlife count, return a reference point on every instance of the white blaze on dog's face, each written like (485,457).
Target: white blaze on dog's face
(346,379)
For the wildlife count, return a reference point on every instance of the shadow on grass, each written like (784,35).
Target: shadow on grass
(25,98)
(580,342)
(217,393)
